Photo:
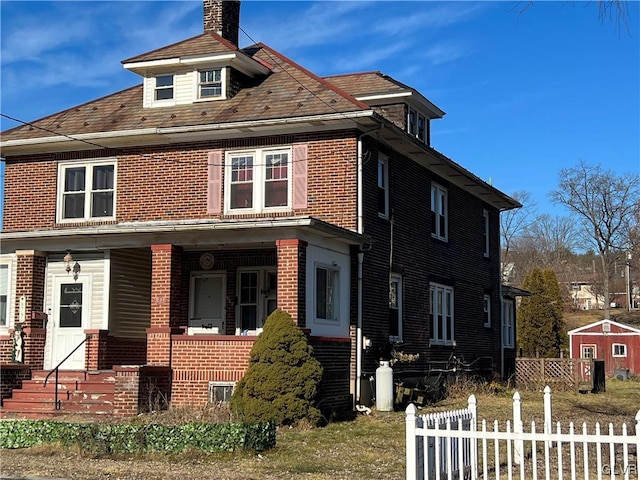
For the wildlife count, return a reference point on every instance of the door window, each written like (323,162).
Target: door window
(71,305)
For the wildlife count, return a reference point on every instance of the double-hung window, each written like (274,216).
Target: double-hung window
(441,315)
(383,187)
(210,83)
(258,180)
(86,191)
(439,212)
(164,87)
(4,294)
(508,323)
(327,288)
(417,125)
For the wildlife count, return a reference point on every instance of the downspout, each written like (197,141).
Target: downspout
(500,327)
(360,207)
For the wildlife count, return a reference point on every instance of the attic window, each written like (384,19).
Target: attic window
(164,87)
(210,83)
(417,125)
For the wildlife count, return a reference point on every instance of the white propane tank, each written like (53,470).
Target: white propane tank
(384,387)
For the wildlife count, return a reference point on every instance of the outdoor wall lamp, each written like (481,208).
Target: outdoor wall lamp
(68,260)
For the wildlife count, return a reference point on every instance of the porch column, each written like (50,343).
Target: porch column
(28,313)
(292,258)
(165,302)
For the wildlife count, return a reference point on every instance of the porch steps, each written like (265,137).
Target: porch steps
(79,392)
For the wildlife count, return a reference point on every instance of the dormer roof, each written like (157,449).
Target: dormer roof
(376,88)
(205,48)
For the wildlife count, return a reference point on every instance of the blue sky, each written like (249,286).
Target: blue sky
(528,88)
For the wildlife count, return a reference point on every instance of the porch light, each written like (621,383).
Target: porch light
(68,260)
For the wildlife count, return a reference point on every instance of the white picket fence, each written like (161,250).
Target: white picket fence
(449,445)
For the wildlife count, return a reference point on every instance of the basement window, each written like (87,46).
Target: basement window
(220,392)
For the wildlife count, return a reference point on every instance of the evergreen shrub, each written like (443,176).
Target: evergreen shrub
(282,380)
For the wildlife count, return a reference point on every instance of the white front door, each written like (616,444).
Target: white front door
(207,305)
(70,319)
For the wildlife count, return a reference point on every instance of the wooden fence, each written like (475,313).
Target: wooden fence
(549,452)
(561,374)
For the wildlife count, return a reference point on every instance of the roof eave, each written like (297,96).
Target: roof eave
(188,133)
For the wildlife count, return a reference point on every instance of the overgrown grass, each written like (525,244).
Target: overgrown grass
(368,447)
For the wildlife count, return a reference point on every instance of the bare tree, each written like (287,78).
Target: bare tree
(512,223)
(605,206)
(617,10)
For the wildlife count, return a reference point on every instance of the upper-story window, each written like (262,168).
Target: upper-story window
(485,231)
(383,186)
(86,191)
(395,308)
(417,125)
(210,83)
(164,87)
(439,212)
(258,180)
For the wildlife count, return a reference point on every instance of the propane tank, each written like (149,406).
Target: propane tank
(384,387)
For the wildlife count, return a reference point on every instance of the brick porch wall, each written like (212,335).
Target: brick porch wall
(11,377)
(6,349)
(199,359)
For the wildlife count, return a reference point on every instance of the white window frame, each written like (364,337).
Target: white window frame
(264,291)
(622,347)
(440,208)
(332,297)
(508,324)
(486,308)
(416,124)
(588,346)
(227,391)
(198,85)
(383,184)
(485,233)
(447,294)
(259,180)
(157,88)
(89,166)
(397,279)
(8,303)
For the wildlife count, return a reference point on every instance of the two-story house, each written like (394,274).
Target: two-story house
(162,224)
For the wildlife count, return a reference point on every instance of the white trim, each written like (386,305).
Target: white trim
(486,309)
(8,260)
(441,340)
(332,271)
(89,165)
(613,350)
(486,232)
(384,161)
(383,96)
(394,277)
(439,191)
(600,322)
(258,182)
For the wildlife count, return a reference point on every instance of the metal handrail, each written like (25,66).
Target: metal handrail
(57,368)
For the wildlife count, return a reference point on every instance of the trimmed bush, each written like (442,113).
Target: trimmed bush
(131,439)
(281,383)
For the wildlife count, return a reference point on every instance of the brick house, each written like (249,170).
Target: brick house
(164,222)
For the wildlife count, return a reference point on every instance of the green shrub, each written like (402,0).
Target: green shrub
(282,380)
(131,439)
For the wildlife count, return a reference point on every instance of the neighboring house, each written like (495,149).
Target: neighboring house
(169,219)
(615,343)
(584,298)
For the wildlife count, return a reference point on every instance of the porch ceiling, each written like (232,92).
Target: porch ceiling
(191,235)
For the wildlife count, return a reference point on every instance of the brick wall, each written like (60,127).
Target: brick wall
(144,194)
(420,259)
(291,278)
(199,359)
(6,349)
(11,377)
(334,392)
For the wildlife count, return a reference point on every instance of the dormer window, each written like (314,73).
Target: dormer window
(210,83)
(417,125)
(164,87)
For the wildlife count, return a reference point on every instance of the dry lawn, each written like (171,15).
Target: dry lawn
(370,447)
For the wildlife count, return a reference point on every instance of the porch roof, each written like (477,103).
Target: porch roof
(192,234)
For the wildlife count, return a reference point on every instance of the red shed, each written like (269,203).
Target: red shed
(615,343)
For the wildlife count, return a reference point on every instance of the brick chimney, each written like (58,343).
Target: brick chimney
(222,17)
